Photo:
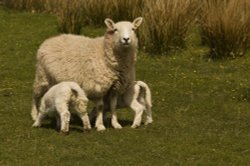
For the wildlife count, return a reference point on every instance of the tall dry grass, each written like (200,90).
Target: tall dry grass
(165,21)
(166,24)
(70,16)
(226,27)
(95,11)
(32,5)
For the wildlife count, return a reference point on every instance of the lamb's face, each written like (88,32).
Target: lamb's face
(123,33)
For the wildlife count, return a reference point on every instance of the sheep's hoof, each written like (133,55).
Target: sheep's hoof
(87,130)
(117,126)
(64,132)
(101,128)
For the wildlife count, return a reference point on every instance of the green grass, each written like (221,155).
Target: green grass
(200,108)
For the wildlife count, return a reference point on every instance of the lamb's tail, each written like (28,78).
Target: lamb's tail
(145,87)
(78,92)
(147,98)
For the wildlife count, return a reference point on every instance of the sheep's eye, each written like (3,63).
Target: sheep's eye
(115,30)
(133,29)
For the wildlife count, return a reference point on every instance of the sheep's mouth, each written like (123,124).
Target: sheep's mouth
(126,44)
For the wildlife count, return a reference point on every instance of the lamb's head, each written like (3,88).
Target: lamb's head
(123,32)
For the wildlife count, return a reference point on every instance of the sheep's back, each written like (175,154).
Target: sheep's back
(79,59)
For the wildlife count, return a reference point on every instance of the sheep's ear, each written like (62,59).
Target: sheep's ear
(109,23)
(137,22)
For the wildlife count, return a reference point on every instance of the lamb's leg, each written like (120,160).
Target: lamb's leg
(138,109)
(81,108)
(148,112)
(113,104)
(99,119)
(149,118)
(65,117)
(58,121)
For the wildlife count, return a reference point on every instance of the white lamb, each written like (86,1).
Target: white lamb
(58,99)
(137,97)
(97,65)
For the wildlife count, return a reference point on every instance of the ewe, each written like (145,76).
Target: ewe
(96,64)
(138,98)
(58,99)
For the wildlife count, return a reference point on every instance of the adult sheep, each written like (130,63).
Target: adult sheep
(96,64)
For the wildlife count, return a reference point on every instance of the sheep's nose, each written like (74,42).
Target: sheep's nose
(126,39)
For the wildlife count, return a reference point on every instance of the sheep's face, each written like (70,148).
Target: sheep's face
(123,33)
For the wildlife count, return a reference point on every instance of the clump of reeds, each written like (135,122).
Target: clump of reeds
(70,16)
(226,27)
(95,11)
(31,5)
(166,24)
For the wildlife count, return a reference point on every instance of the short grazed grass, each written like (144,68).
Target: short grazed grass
(201,108)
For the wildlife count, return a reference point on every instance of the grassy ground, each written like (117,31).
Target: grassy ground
(200,108)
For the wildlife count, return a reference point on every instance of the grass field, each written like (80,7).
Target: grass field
(201,108)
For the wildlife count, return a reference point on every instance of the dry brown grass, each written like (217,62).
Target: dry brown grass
(225,24)
(70,16)
(226,27)
(166,24)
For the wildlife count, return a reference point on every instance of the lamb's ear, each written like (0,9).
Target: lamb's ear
(137,22)
(109,23)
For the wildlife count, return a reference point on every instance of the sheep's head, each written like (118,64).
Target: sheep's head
(123,33)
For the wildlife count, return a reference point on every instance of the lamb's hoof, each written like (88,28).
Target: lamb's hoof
(134,126)
(148,121)
(100,128)
(36,125)
(64,132)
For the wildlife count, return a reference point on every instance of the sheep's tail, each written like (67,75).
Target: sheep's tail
(145,87)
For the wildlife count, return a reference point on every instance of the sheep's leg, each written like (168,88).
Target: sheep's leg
(92,115)
(138,109)
(41,85)
(34,111)
(39,119)
(99,119)
(40,116)
(113,104)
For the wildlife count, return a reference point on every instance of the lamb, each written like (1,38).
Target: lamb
(57,100)
(96,64)
(138,98)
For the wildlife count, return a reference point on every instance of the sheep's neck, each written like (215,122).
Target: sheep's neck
(122,62)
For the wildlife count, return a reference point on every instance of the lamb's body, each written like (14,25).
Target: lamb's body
(58,99)
(138,98)
(96,64)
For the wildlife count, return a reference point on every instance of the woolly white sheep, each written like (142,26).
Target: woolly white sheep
(138,98)
(96,64)
(58,99)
